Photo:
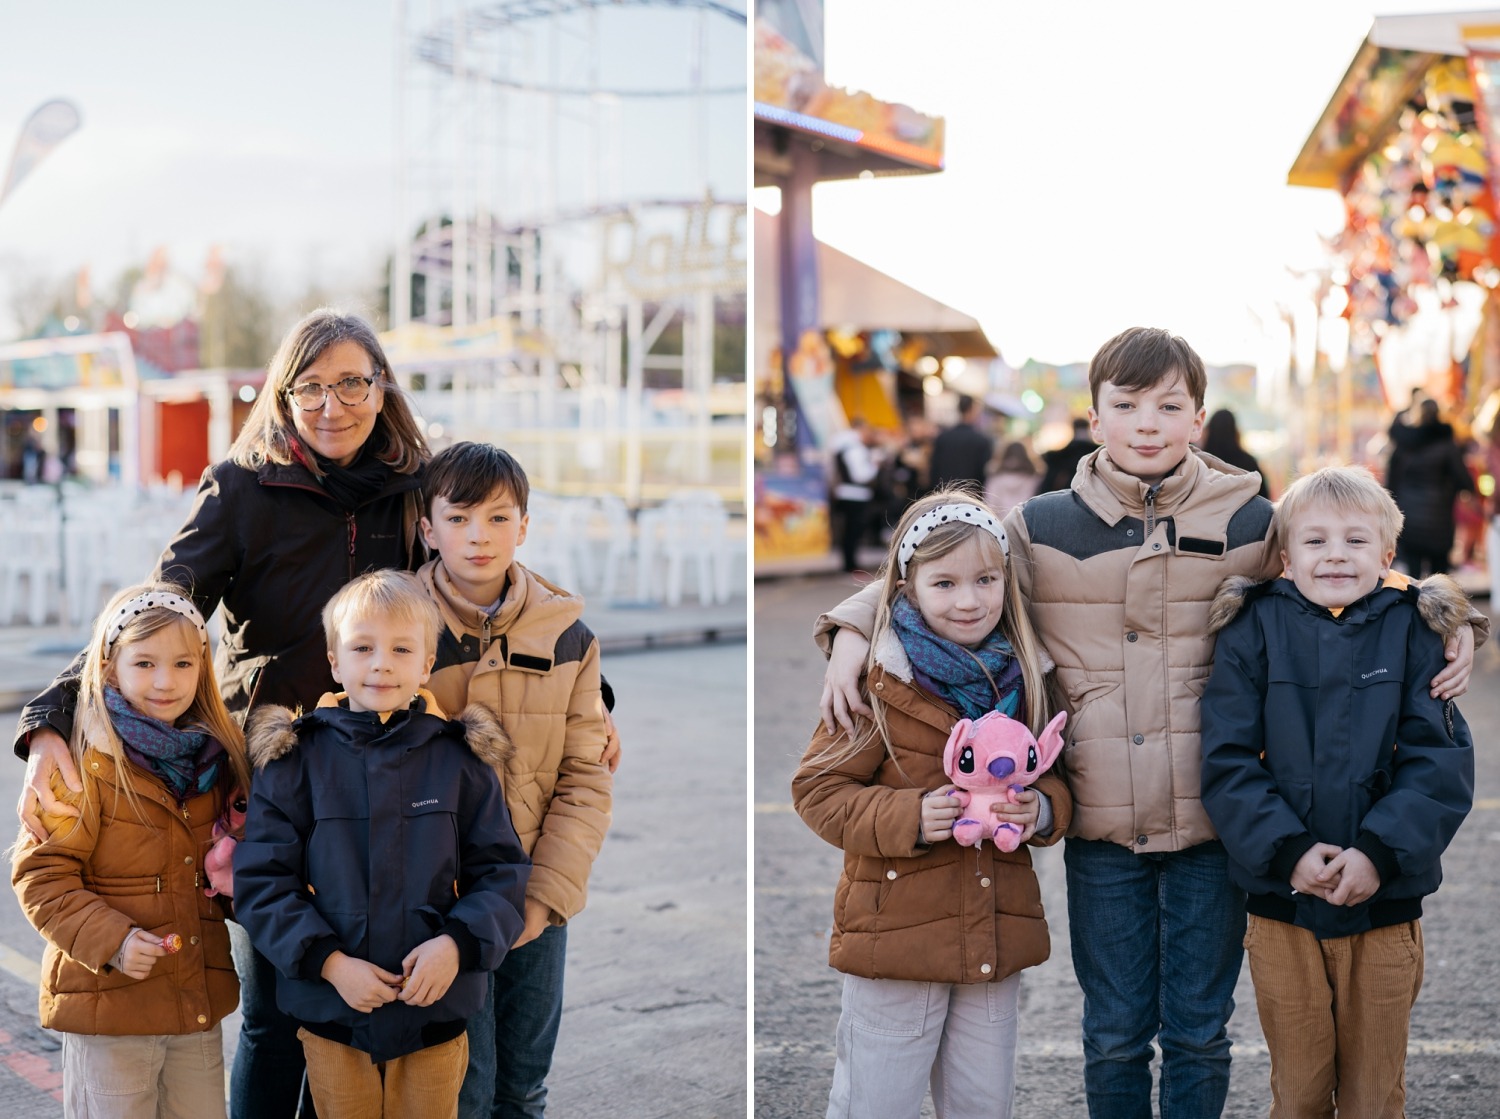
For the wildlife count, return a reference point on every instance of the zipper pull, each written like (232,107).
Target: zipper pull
(158,883)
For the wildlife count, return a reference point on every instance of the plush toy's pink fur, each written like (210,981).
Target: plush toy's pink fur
(991,759)
(219,862)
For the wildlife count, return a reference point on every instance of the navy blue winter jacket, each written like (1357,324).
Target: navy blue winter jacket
(1320,729)
(369,839)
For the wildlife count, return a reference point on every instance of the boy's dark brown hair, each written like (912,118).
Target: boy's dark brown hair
(468,473)
(1143,356)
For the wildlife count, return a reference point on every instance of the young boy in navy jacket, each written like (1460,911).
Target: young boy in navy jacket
(380,871)
(1335,781)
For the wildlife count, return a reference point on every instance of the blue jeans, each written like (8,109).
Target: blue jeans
(267,1081)
(1157,945)
(512,1037)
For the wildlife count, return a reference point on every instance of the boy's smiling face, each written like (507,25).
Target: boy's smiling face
(1335,556)
(1146,431)
(476,543)
(381,661)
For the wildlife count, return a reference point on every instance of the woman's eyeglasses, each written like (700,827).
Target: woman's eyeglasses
(309,396)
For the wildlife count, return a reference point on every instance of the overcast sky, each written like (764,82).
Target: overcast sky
(1109,164)
(269,129)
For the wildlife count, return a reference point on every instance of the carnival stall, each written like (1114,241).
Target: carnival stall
(1410,140)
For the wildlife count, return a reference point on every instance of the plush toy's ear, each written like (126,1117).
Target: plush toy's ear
(1051,742)
(955,741)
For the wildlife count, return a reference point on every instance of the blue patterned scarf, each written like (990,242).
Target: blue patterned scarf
(976,681)
(187,760)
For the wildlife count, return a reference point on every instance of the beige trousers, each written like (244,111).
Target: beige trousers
(1335,1014)
(151,1076)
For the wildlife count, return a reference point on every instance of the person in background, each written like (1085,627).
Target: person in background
(1013,479)
(856,466)
(1221,438)
(910,457)
(961,453)
(1425,474)
(1061,463)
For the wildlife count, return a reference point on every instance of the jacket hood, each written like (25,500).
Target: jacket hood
(271,732)
(1440,601)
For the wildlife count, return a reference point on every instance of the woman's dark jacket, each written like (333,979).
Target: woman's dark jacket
(371,838)
(1320,729)
(271,547)
(1425,474)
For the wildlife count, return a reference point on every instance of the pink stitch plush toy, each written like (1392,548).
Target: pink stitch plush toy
(991,759)
(219,862)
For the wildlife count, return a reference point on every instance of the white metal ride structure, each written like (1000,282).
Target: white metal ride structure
(532,301)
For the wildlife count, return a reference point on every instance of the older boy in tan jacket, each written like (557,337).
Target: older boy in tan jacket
(516,644)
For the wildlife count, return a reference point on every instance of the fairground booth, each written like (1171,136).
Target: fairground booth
(806,132)
(1410,140)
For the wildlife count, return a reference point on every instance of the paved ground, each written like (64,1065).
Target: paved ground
(655,1010)
(1453,1067)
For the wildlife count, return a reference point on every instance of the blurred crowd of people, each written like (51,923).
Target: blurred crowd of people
(1432,473)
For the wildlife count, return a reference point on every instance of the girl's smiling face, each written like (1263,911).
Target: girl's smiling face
(960,595)
(158,675)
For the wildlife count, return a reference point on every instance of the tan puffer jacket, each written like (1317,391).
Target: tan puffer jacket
(536,666)
(1132,674)
(109,870)
(943,913)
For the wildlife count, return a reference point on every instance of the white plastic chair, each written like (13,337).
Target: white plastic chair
(32,553)
(690,528)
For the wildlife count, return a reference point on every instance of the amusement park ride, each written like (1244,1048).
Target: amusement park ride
(557,311)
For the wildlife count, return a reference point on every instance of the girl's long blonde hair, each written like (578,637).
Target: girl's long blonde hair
(92,726)
(1014,625)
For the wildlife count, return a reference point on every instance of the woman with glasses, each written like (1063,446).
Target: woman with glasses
(322,484)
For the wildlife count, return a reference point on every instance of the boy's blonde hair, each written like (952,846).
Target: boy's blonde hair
(1143,356)
(388,593)
(92,726)
(1346,488)
(1014,626)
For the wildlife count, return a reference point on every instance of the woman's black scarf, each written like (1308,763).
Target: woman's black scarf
(353,485)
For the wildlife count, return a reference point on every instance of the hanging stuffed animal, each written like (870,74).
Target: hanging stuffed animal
(991,759)
(219,862)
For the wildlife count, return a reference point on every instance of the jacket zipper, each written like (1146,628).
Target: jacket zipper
(1150,512)
(349,518)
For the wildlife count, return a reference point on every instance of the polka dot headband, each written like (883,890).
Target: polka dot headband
(945,514)
(153,600)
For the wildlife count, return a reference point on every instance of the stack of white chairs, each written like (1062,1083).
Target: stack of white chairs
(31,555)
(689,529)
(609,518)
(550,546)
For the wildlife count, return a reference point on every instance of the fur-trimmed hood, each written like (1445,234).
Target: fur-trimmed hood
(271,731)
(1441,602)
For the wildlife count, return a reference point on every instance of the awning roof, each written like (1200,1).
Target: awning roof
(1386,71)
(856,296)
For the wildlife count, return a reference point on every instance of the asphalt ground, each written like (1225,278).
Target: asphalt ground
(1453,1062)
(655,1005)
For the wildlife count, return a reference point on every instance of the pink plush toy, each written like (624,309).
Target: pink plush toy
(992,759)
(219,862)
